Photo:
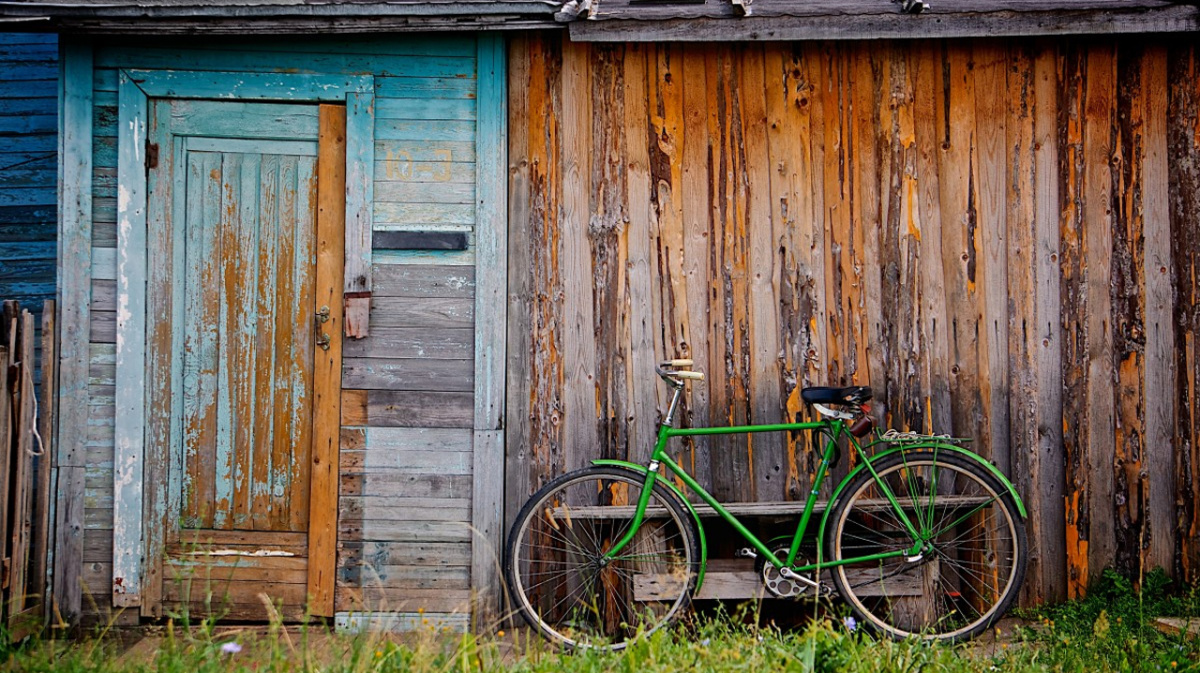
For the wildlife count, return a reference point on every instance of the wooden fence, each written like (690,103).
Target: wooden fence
(999,237)
(25,468)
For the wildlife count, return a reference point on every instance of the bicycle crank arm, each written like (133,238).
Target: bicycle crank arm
(788,574)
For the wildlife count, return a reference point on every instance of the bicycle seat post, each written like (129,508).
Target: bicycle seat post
(676,396)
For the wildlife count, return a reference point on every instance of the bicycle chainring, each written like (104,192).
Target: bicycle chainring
(778,585)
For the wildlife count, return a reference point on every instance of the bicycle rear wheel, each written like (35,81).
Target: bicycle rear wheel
(561,581)
(974,555)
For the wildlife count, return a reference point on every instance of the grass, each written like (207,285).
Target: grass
(1110,630)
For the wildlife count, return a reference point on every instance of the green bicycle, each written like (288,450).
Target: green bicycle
(923,538)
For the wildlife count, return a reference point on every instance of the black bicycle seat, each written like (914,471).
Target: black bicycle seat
(823,395)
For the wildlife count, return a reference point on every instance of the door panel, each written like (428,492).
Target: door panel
(234,287)
(248,349)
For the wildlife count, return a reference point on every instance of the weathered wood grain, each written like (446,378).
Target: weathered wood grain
(945,222)
(1099,155)
(1183,147)
(1047,481)
(328,376)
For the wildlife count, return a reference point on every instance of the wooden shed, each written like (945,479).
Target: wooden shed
(341,284)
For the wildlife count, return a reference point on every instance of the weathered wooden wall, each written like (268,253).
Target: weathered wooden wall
(28,148)
(999,238)
(404,537)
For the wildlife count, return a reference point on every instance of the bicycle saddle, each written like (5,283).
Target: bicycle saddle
(823,395)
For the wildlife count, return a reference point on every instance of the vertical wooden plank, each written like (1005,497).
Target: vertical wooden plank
(1076,427)
(958,180)
(991,89)
(129,456)
(679,80)
(1047,474)
(161,336)
(696,197)
(789,105)
(1022,320)
(201,340)
(640,138)
(1183,147)
(22,448)
(726,328)
(74,302)
(1160,337)
(579,356)
(1128,306)
(233,450)
(864,308)
(520,287)
(300,214)
(765,393)
(269,465)
(607,236)
(928,94)
(7,466)
(841,364)
(47,414)
(491,283)
(327,368)
(1097,250)
(542,404)
(360,199)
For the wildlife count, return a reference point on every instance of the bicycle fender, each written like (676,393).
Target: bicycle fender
(923,445)
(642,469)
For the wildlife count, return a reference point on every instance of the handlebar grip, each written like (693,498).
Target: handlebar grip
(695,376)
(676,363)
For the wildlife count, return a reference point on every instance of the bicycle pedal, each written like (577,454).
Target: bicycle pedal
(745,552)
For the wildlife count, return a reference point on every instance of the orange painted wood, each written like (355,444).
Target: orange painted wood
(327,387)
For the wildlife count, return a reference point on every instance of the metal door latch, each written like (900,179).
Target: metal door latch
(322,317)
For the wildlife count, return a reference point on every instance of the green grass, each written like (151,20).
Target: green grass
(1111,630)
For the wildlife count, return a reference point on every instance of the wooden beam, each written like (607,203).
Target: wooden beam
(360,199)
(327,388)
(491,328)
(128,450)
(74,301)
(840,26)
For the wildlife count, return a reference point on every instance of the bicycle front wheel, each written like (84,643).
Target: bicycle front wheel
(973,546)
(563,583)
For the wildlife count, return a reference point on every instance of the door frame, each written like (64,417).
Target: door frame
(140,515)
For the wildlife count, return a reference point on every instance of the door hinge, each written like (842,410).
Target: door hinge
(151,155)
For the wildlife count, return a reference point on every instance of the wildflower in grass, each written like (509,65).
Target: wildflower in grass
(231,648)
(851,624)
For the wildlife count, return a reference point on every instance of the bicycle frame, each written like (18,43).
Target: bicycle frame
(833,429)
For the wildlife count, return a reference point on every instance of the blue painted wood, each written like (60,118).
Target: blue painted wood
(129,434)
(241,60)
(28,167)
(424,87)
(426,108)
(361,127)
(404,129)
(249,86)
(491,278)
(74,270)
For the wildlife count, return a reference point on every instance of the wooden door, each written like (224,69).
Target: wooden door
(241,187)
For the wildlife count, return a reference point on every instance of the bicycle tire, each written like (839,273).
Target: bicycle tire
(554,568)
(975,554)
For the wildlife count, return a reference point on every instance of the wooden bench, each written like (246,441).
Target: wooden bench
(757,509)
(736,579)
